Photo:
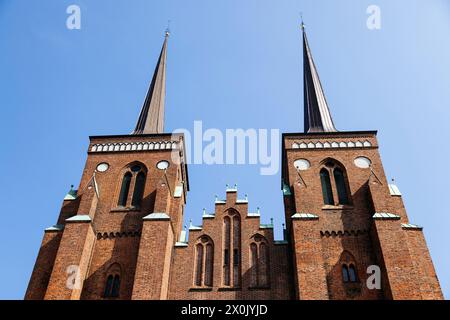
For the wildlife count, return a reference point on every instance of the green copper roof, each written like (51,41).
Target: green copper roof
(286,190)
(71,195)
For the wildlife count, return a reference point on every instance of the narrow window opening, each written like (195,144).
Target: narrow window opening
(326,187)
(138,190)
(125,189)
(352,273)
(108,287)
(345,275)
(340,186)
(115,287)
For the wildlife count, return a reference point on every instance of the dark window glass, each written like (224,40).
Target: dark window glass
(136,168)
(236,257)
(352,273)
(345,276)
(209,260)
(123,196)
(226,257)
(341,186)
(199,271)
(326,187)
(108,287)
(138,190)
(254,266)
(115,287)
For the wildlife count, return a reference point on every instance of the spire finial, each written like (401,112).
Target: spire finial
(302,24)
(168,28)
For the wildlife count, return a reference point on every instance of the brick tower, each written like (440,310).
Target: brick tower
(114,235)
(343,216)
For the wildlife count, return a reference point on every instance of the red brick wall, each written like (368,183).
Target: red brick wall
(309,266)
(44,266)
(320,244)
(182,284)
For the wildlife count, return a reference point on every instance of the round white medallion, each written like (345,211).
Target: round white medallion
(162,165)
(302,164)
(362,162)
(102,167)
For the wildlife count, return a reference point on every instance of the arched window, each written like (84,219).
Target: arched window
(333,176)
(138,189)
(232,249)
(326,187)
(125,189)
(259,259)
(204,262)
(345,275)
(133,182)
(340,186)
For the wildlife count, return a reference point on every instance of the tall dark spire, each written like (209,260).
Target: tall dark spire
(317,114)
(151,119)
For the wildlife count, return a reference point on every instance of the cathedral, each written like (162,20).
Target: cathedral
(120,235)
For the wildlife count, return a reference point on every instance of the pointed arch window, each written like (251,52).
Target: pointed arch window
(204,262)
(133,182)
(232,249)
(333,179)
(259,260)
(327,191)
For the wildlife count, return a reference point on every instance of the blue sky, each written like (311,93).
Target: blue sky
(231,64)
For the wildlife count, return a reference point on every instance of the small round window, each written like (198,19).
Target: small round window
(362,162)
(302,164)
(102,167)
(162,165)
